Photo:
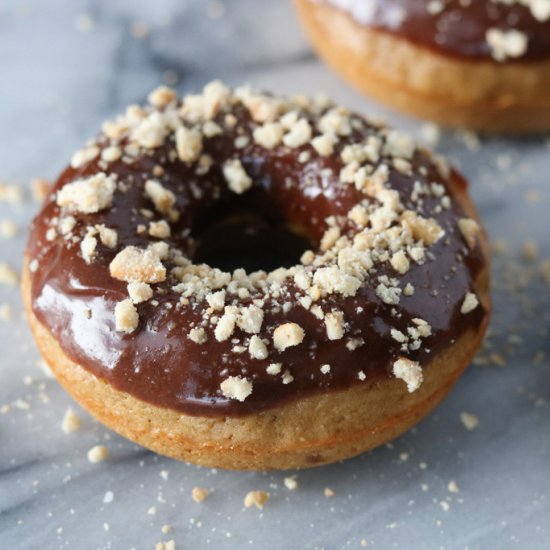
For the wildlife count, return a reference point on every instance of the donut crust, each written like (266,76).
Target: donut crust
(318,429)
(482,95)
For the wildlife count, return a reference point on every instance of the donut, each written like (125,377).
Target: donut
(481,64)
(376,304)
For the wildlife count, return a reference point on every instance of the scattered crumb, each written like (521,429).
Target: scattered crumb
(198,494)
(291,484)
(71,422)
(40,189)
(469,421)
(5,312)
(236,387)
(453,487)
(8,229)
(7,275)
(328,492)
(256,498)
(98,454)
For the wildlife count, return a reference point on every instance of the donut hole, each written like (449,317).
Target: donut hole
(245,239)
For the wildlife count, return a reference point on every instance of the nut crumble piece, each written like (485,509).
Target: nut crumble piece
(506,44)
(162,198)
(236,177)
(469,304)
(236,387)
(188,144)
(139,292)
(89,195)
(135,265)
(408,371)
(288,335)
(198,335)
(126,316)
(334,322)
(257,348)
(470,230)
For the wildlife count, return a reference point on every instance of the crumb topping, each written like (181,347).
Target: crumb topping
(126,316)
(288,335)
(236,387)
(469,304)
(369,246)
(89,195)
(408,371)
(135,265)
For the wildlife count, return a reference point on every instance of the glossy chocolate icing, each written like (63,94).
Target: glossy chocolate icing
(159,364)
(458,30)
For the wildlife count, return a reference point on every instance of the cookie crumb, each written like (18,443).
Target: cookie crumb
(7,275)
(198,494)
(328,492)
(506,44)
(453,487)
(5,312)
(236,387)
(71,422)
(237,179)
(88,195)
(126,316)
(290,483)
(139,292)
(40,189)
(410,372)
(469,304)
(256,498)
(98,454)
(469,421)
(8,229)
(288,335)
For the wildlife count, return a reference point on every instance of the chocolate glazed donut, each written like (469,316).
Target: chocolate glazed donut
(379,307)
(483,64)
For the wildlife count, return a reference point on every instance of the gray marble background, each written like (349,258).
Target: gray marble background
(65,66)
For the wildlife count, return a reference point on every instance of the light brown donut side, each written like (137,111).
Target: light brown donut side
(481,95)
(316,430)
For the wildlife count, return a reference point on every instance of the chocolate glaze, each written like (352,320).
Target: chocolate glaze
(159,364)
(458,30)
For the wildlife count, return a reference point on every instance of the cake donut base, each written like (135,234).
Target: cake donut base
(312,431)
(482,95)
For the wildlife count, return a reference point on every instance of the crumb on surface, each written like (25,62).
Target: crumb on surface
(71,422)
(98,453)
(469,421)
(256,498)
(198,494)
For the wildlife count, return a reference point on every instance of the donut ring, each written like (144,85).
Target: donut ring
(293,368)
(484,65)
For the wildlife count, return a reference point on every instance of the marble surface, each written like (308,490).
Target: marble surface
(68,65)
